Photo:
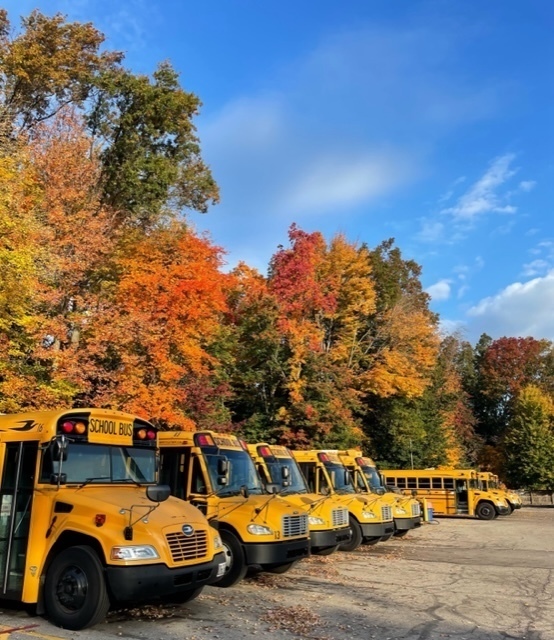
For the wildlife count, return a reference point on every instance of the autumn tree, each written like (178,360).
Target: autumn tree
(402,348)
(502,368)
(149,350)
(149,150)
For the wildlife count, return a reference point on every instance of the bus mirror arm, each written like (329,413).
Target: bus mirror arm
(58,478)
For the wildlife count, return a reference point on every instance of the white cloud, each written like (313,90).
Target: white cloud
(332,182)
(440,290)
(535,268)
(520,310)
(483,196)
(527,185)
(431,231)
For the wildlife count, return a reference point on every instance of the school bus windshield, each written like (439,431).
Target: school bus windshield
(372,476)
(296,482)
(339,477)
(102,464)
(242,472)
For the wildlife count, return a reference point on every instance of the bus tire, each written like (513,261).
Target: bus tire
(281,568)
(75,593)
(510,509)
(385,538)
(235,563)
(356,539)
(184,596)
(400,533)
(485,511)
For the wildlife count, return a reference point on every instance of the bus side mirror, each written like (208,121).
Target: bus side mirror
(59,449)
(271,487)
(158,492)
(285,475)
(222,466)
(222,470)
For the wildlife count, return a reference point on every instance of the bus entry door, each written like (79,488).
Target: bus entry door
(16,497)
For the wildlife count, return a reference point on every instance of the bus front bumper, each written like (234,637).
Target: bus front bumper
(150,582)
(321,540)
(276,553)
(377,529)
(405,524)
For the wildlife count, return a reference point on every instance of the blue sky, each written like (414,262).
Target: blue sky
(428,121)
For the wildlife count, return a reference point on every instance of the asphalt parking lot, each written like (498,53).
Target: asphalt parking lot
(462,578)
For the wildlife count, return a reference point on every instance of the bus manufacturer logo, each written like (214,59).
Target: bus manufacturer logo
(188,530)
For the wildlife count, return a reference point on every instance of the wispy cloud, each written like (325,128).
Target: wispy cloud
(483,196)
(333,182)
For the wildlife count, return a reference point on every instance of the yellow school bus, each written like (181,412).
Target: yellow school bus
(327,517)
(216,473)
(452,492)
(370,518)
(490,482)
(83,522)
(406,511)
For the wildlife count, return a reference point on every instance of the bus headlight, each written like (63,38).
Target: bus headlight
(142,552)
(259,530)
(368,515)
(217,543)
(400,512)
(316,520)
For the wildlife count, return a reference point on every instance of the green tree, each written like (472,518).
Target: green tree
(529,441)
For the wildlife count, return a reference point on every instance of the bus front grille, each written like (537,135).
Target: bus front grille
(184,548)
(416,510)
(386,513)
(295,526)
(340,517)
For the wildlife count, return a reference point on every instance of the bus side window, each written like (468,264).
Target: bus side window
(198,484)
(437,483)
(401,483)
(449,483)
(308,469)
(412,483)
(424,483)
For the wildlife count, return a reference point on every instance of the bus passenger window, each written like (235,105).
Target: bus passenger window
(424,483)
(449,483)
(401,483)
(437,483)
(412,483)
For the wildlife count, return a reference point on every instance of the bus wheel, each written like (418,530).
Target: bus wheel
(400,533)
(356,539)
(485,511)
(184,596)
(235,564)
(385,538)
(75,594)
(281,568)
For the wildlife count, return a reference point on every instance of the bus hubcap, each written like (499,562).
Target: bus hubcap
(72,588)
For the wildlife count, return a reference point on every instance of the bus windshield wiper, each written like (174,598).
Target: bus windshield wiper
(127,481)
(92,479)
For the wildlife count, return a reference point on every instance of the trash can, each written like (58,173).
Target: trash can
(429,511)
